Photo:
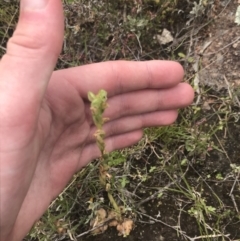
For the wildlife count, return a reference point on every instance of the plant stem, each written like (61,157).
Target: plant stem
(98,105)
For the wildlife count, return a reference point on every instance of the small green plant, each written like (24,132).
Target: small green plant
(123,225)
(98,106)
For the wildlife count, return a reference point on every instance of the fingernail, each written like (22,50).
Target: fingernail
(34,4)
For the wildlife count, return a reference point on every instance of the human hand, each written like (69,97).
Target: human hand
(46,129)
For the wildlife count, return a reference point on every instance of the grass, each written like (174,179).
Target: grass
(171,167)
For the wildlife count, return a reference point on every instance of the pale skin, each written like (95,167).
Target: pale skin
(46,130)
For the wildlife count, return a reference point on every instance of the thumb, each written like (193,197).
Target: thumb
(31,56)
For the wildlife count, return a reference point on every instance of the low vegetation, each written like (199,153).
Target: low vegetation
(184,177)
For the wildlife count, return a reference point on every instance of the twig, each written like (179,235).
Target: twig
(224,8)
(234,202)
(139,43)
(96,227)
(165,224)
(153,196)
(223,149)
(1,47)
(228,86)
(209,236)
(4,36)
(176,228)
(125,13)
(231,195)
(222,48)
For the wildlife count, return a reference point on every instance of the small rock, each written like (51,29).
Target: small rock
(165,38)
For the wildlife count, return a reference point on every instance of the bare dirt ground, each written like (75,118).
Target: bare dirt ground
(220,58)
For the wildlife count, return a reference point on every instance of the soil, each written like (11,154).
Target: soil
(218,49)
(150,228)
(220,60)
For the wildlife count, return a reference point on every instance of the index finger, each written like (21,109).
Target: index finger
(118,77)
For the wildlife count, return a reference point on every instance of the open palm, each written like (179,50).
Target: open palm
(46,130)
